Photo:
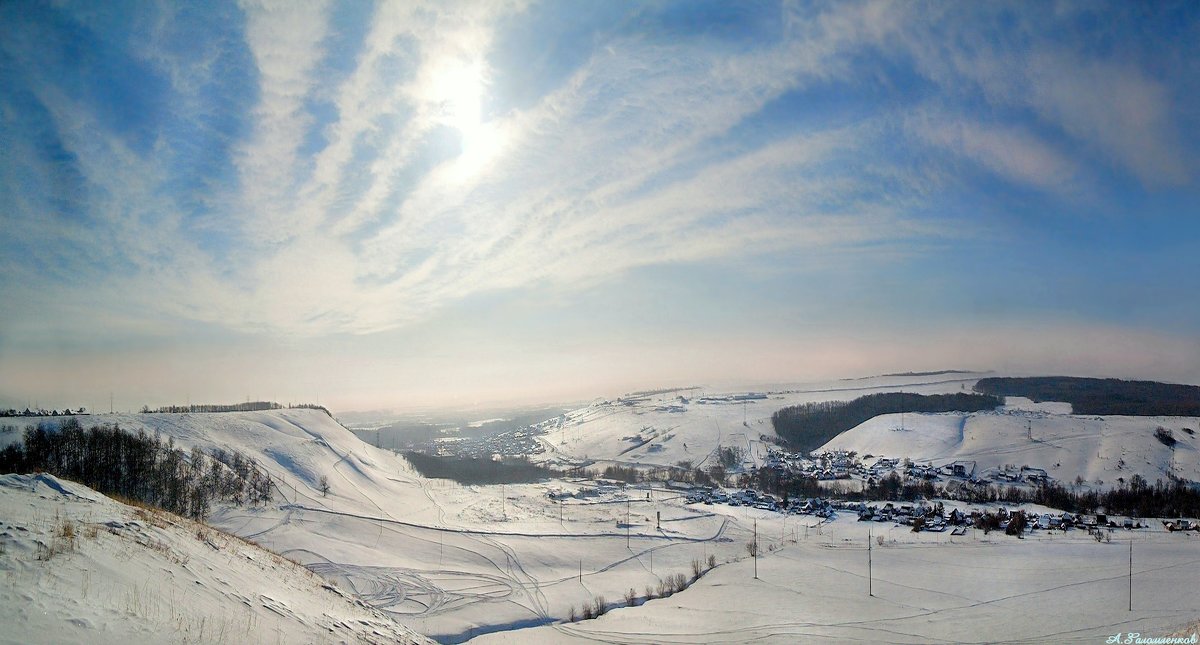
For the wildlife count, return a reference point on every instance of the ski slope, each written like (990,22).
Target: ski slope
(1100,450)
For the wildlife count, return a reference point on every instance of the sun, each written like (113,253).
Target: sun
(459,90)
(459,93)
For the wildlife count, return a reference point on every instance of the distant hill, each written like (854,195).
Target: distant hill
(808,426)
(1101,396)
(912,374)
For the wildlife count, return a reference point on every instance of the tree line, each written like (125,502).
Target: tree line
(476,471)
(40,412)
(808,426)
(1101,396)
(139,467)
(1173,497)
(248,406)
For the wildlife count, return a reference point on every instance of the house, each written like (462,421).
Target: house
(962,469)
(1034,475)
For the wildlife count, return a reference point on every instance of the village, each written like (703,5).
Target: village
(924,516)
(871,469)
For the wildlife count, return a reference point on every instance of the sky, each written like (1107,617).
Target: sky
(406,204)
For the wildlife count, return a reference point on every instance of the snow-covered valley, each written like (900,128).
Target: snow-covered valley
(456,562)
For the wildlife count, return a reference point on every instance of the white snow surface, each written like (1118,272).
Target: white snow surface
(660,429)
(925,588)
(507,563)
(80,567)
(446,560)
(1097,449)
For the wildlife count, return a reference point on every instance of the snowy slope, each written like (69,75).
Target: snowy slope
(661,429)
(455,562)
(296,447)
(79,567)
(448,561)
(1047,436)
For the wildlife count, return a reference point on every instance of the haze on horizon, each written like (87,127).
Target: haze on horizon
(404,204)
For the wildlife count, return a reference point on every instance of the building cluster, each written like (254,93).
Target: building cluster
(871,469)
(820,507)
(510,443)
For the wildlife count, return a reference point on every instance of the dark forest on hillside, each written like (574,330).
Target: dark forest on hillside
(466,470)
(1101,396)
(807,427)
(138,467)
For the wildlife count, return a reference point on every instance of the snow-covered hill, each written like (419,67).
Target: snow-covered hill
(455,562)
(689,425)
(1101,450)
(445,560)
(296,447)
(80,567)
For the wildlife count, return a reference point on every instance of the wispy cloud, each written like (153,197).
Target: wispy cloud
(1013,153)
(285,39)
(1106,101)
(243,170)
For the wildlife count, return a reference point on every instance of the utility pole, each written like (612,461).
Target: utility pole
(1130,574)
(870,578)
(626,522)
(755,553)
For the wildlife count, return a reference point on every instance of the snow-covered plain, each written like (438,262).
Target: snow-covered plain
(925,588)
(460,562)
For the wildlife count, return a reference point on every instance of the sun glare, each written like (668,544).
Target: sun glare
(459,91)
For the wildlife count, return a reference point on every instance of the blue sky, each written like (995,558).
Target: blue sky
(407,204)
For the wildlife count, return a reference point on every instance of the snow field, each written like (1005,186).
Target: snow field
(459,562)
(79,567)
(926,588)
(669,431)
(1098,449)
